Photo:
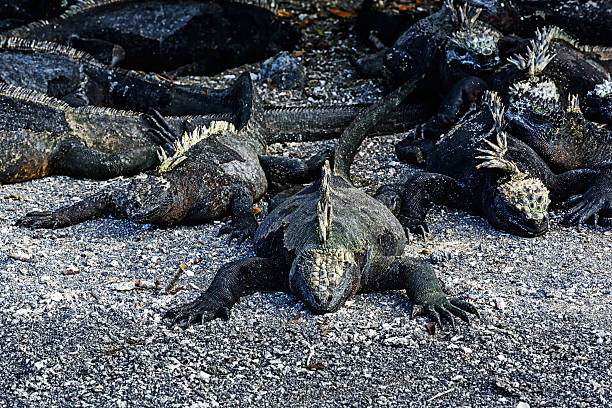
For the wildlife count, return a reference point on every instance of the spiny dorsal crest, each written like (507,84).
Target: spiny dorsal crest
(573,103)
(187,141)
(538,53)
(494,102)
(605,53)
(324,206)
(448,4)
(494,157)
(468,15)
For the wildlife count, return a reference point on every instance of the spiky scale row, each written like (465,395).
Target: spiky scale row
(538,53)
(187,141)
(324,206)
(494,158)
(573,103)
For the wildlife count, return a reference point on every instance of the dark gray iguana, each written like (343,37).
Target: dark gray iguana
(326,243)
(41,135)
(87,141)
(217,169)
(506,180)
(186,37)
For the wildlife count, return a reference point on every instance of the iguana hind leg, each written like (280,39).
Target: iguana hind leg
(232,281)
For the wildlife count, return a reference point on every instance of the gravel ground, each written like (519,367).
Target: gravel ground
(81,306)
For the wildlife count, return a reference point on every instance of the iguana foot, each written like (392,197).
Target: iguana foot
(41,219)
(240,229)
(586,207)
(439,308)
(161,131)
(203,309)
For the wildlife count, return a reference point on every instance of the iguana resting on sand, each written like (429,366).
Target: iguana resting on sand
(327,243)
(217,169)
(185,37)
(513,186)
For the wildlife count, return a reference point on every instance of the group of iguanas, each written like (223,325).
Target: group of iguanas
(508,137)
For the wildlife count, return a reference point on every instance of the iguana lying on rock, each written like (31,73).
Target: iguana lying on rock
(42,135)
(185,37)
(217,169)
(78,79)
(512,188)
(327,243)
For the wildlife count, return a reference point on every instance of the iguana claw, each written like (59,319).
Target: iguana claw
(586,206)
(199,311)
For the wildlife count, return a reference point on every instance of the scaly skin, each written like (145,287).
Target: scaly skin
(319,247)
(218,169)
(42,135)
(512,189)
(185,37)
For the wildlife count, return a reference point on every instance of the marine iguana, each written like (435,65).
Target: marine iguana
(217,169)
(42,135)
(327,243)
(512,188)
(185,37)
(553,54)
(97,135)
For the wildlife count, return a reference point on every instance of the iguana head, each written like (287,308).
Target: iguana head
(474,49)
(324,277)
(520,207)
(534,108)
(519,203)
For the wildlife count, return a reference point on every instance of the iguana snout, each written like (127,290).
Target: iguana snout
(324,278)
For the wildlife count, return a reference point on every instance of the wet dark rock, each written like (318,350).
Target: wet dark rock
(283,71)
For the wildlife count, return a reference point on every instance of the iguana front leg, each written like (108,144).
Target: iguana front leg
(232,281)
(411,201)
(287,170)
(95,206)
(244,224)
(596,198)
(423,289)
